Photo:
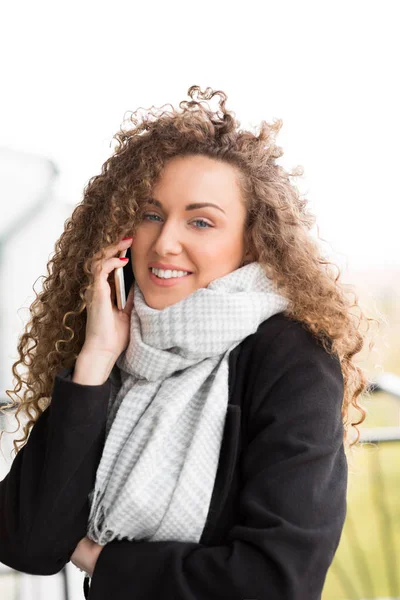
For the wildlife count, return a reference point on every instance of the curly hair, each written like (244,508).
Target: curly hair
(277,230)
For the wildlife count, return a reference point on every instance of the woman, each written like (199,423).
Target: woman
(191,445)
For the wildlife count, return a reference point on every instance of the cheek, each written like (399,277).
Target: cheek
(223,249)
(138,242)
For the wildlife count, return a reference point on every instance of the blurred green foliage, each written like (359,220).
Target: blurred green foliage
(366,563)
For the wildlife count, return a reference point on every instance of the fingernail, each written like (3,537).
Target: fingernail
(123,258)
(127,238)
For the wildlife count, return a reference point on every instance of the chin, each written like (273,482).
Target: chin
(158,302)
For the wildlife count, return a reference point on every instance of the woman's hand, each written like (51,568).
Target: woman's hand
(86,554)
(107,328)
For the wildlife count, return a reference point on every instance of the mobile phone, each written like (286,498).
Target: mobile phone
(123,278)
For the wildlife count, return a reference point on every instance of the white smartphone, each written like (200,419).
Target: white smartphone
(119,280)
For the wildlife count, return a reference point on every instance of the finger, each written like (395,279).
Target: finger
(111,251)
(108,266)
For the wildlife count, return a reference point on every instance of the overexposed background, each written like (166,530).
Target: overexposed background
(71,71)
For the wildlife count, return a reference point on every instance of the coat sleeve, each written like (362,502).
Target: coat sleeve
(44,497)
(292,500)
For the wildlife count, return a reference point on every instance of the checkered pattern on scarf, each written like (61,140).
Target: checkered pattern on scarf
(165,423)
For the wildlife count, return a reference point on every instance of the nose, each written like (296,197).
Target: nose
(168,240)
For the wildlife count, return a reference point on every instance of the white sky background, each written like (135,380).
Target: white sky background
(328,70)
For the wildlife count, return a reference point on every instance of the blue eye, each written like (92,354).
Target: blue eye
(149,215)
(195,221)
(202,221)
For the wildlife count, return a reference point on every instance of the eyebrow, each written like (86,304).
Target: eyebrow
(192,206)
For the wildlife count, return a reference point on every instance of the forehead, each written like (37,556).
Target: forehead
(198,179)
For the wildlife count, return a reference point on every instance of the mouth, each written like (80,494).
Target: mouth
(167,282)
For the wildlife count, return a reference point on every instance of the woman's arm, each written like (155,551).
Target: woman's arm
(44,497)
(292,499)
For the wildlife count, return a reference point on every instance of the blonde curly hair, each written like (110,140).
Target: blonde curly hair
(276,228)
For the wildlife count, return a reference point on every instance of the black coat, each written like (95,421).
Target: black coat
(279,500)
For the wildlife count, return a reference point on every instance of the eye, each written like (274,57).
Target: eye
(195,221)
(150,215)
(203,221)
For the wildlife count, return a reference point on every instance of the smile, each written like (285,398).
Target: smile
(167,282)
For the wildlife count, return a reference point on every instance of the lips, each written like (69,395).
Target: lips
(170,269)
(166,267)
(168,282)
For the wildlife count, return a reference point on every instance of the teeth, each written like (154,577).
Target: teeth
(168,273)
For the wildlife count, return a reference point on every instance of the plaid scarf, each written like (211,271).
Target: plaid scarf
(165,422)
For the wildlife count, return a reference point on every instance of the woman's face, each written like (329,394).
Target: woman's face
(207,241)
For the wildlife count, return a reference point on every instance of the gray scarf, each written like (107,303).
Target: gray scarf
(165,423)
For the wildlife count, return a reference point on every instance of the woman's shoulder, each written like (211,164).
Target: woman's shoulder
(282,343)
(290,374)
(278,329)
